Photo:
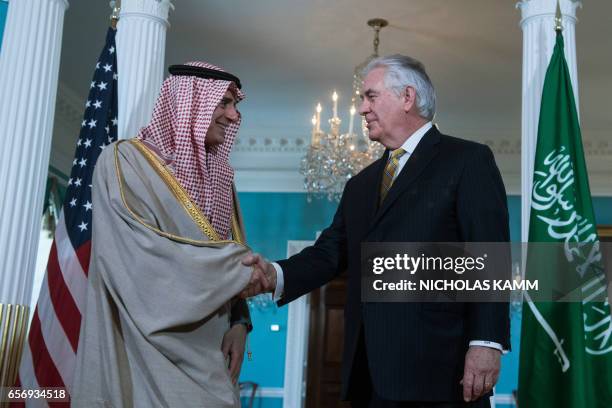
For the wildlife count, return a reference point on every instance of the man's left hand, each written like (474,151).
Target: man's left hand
(480,372)
(232,346)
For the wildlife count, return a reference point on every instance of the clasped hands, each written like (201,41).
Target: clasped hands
(263,277)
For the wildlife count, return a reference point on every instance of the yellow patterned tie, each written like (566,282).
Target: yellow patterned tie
(390,169)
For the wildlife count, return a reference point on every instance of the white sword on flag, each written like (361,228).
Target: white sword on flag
(559,352)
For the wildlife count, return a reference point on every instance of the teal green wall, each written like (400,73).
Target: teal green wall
(272,219)
(3,11)
(603,210)
(264,402)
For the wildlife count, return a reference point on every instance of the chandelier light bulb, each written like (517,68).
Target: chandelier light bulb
(350,132)
(335,99)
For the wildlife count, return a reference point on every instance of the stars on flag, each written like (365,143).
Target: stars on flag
(96,132)
(115,121)
(115,76)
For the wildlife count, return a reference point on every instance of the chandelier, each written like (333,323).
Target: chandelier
(334,157)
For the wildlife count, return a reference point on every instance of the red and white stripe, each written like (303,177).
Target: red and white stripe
(49,356)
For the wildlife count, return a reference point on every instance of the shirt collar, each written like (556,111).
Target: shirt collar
(411,143)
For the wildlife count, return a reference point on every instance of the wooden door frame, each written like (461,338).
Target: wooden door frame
(605,231)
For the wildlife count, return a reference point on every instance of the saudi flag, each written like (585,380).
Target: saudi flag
(566,348)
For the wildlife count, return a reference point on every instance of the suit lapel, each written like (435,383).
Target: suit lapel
(375,180)
(425,151)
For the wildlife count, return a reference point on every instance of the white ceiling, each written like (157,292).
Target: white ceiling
(290,54)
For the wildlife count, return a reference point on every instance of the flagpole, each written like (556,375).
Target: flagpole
(558,18)
(114,17)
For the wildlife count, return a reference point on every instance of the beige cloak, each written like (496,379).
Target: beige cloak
(161,285)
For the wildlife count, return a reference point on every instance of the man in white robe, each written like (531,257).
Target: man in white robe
(163,326)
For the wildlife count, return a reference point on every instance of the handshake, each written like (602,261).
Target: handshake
(263,277)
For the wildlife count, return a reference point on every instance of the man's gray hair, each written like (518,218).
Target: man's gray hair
(402,71)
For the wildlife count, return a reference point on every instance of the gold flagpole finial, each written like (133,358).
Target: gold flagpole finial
(114,17)
(558,18)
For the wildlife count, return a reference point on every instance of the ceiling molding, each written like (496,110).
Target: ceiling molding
(594,146)
(252,144)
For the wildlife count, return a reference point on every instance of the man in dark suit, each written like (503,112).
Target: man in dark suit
(427,187)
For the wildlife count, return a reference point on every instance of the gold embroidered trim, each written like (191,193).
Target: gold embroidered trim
(237,232)
(183,197)
(152,228)
(179,192)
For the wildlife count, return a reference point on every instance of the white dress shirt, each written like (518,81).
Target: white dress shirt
(409,146)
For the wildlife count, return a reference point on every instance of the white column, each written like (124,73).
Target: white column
(141,46)
(29,67)
(538,23)
(296,346)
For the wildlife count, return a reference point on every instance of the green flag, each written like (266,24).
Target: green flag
(566,348)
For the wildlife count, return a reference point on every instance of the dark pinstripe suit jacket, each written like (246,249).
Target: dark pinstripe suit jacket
(449,190)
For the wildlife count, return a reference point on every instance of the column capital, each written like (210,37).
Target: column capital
(141,46)
(154,9)
(547,8)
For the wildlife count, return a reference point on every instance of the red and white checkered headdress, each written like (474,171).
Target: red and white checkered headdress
(182,115)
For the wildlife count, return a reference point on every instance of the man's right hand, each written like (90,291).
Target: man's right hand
(263,278)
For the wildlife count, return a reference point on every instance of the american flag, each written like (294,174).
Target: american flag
(49,355)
